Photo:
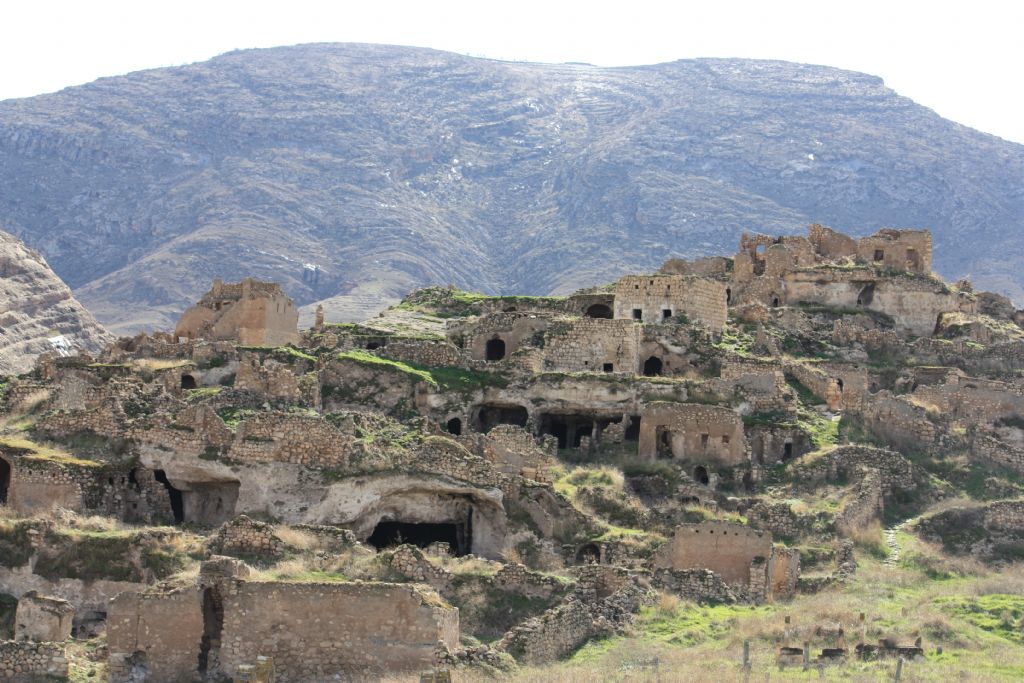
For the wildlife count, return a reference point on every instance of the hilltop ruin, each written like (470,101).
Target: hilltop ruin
(585,452)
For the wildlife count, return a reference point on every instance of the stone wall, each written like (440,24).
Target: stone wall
(335,629)
(36,486)
(863,505)
(697,585)
(298,439)
(851,462)
(155,636)
(250,312)
(899,422)
(724,548)
(987,448)
(700,299)
(583,615)
(692,432)
(267,377)
(246,537)
(31,662)
(43,618)
(909,250)
(593,345)
(423,352)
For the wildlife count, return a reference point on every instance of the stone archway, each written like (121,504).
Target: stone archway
(700,475)
(188,382)
(598,311)
(653,367)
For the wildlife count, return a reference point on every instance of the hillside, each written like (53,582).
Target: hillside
(352,173)
(38,312)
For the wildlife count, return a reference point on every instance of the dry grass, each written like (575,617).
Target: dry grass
(870,540)
(299,539)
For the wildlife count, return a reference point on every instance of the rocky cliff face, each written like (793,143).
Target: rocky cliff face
(351,173)
(38,312)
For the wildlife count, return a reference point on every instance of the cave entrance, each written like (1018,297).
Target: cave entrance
(632,432)
(5,480)
(188,382)
(664,442)
(599,311)
(700,475)
(866,294)
(213,627)
(454,426)
(653,367)
(570,428)
(490,416)
(787,451)
(421,534)
(177,500)
(588,553)
(495,349)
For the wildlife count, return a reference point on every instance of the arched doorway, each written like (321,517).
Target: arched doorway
(495,349)
(588,553)
(454,426)
(700,475)
(5,480)
(188,382)
(728,296)
(177,500)
(598,311)
(653,367)
(775,302)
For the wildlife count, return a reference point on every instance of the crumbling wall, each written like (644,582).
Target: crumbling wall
(863,506)
(42,618)
(267,377)
(899,422)
(155,636)
(246,537)
(251,312)
(726,549)
(424,352)
(593,345)
(31,662)
(692,432)
(831,245)
(909,250)
(36,486)
(700,299)
(298,439)
(362,630)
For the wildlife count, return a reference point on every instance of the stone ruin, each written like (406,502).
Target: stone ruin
(458,428)
(251,312)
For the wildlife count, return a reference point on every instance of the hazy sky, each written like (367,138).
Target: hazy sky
(962,59)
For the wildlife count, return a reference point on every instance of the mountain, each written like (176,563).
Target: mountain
(38,312)
(351,173)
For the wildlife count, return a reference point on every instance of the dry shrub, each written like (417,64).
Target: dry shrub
(869,539)
(668,604)
(298,538)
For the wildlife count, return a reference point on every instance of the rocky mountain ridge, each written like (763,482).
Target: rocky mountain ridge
(353,173)
(38,312)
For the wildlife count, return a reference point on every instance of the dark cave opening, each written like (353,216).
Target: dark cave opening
(177,500)
(421,534)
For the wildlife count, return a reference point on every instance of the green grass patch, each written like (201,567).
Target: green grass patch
(442,378)
(33,451)
(999,614)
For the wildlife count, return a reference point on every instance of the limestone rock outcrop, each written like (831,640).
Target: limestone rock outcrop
(38,313)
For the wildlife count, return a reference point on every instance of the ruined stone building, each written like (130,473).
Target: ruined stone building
(251,312)
(363,495)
